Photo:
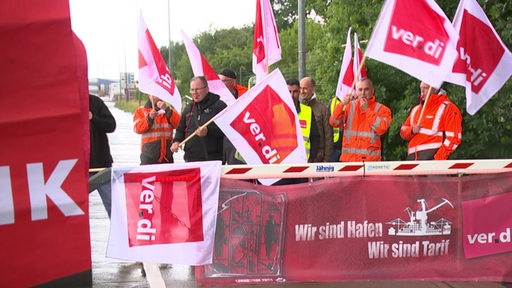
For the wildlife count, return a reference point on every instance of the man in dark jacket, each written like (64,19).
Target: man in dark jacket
(101,122)
(208,142)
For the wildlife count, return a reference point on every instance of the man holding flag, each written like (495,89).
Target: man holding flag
(155,122)
(434,127)
(349,73)
(207,143)
(364,121)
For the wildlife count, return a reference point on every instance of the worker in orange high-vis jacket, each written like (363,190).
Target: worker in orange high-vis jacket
(439,131)
(363,121)
(155,121)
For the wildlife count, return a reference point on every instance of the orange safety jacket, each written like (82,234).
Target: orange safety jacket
(441,128)
(156,134)
(240,90)
(362,129)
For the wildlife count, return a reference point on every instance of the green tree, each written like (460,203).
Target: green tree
(487,134)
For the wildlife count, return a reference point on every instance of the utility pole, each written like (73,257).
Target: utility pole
(169,30)
(302,38)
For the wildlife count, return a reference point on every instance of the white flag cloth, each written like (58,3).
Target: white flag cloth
(423,45)
(154,76)
(484,63)
(263,125)
(201,67)
(346,77)
(266,45)
(164,213)
(358,58)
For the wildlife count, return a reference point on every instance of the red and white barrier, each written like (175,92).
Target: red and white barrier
(336,169)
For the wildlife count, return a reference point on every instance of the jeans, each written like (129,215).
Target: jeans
(105,191)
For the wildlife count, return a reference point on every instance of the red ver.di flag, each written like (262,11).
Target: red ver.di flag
(263,125)
(164,213)
(423,46)
(266,45)
(201,67)
(346,77)
(154,76)
(484,63)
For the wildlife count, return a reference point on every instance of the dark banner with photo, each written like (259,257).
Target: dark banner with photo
(438,228)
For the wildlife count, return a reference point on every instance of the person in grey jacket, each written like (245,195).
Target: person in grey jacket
(321,112)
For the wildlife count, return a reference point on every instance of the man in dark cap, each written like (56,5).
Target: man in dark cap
(228,76)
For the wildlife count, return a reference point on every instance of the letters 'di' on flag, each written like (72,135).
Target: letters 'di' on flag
(266,45)
(201,67)
(484,63)
(154,76)
(164,213)
(263,125)
(423,46)
(346,78)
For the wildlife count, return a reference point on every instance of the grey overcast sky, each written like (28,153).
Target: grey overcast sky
(108,28)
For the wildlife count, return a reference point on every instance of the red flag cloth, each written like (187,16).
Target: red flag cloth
(484,63)
(44,205)
(201,67)
(164,213)
(423,46)
(266,45)
(346,78)
(154,76)
(263,125)
(358,58)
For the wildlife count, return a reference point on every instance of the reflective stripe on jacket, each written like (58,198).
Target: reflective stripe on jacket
(158,130)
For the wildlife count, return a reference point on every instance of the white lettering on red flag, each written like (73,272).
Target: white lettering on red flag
(164,213)
(266,45)
(201,67)
(154,76)
(263,125)
(423,46)
(346,77)
(484,63)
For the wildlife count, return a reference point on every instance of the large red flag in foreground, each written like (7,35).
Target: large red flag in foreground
(423,46)
(164,213)
(263,125)
(44,207)
(266,45)
(346,77)
(201,67)
(484,63)
(154,76)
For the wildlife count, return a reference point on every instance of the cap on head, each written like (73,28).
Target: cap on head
(228,73)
